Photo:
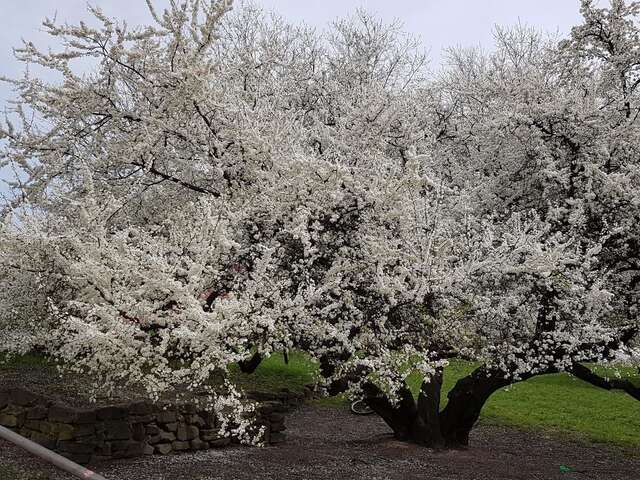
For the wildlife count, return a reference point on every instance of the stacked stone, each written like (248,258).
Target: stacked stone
(271,416)
(123,431)
(284,399)
(184,428)
(79,434)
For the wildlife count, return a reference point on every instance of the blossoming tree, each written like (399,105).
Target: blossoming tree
(223,185)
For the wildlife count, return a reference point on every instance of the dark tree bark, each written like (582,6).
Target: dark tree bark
(250,365)
(412,421)
(429,411)
(466,400)
(399,416)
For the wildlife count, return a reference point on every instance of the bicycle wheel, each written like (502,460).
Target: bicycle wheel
(360,407)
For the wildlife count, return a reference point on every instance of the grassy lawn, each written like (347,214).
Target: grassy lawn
(560,404)
(274,374)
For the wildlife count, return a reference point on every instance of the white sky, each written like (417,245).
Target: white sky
(439,23)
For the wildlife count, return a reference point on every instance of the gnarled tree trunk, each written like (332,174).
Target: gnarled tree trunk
(422,422)
(466,400)
(412,421)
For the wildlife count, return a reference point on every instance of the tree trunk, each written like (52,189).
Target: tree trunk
(399,416)
(466,400)
(429,411)
(250,365)
(411,421)
(586,374)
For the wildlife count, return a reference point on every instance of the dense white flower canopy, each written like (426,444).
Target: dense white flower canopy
(225,184)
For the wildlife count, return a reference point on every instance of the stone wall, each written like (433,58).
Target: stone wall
(127,430)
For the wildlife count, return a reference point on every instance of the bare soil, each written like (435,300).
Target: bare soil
(330,443)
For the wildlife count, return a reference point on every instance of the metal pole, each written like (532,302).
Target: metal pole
(49,456)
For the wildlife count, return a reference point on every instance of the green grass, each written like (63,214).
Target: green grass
(562,404)
(274,374)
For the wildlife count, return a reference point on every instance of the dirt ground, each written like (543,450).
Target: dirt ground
(329,443)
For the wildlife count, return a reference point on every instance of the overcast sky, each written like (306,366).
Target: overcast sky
(439,23)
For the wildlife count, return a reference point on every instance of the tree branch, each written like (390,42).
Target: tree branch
(177,181)
(584,373)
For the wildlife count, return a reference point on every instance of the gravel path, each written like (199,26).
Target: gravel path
(329,443)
